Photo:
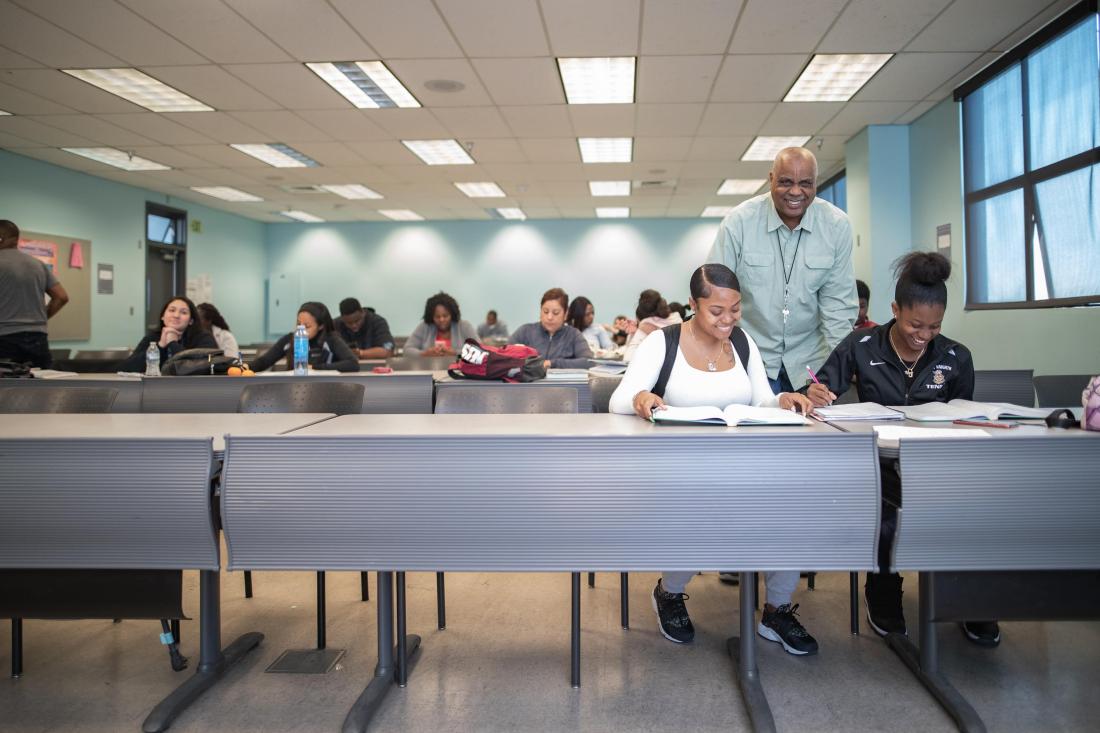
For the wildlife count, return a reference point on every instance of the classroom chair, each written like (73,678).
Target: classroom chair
(57,399)
(420,363)
(1061,390)
(1004,385)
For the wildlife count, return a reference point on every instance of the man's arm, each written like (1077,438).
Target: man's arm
(58,298)
(381,337)
(837,296)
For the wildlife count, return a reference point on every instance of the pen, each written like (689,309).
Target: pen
(812,375)
(985,423)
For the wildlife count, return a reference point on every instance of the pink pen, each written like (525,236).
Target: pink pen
(812,375)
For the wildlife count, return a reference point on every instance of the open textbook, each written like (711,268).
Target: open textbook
(858,411)
(733,415)
(968,410)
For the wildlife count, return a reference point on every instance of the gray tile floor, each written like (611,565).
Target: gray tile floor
(503,665)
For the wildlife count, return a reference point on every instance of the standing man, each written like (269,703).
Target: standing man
(366,332)
(24,283)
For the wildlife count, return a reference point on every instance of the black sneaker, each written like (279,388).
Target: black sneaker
(781,626)
(672,615)
(982,633)
(883,594)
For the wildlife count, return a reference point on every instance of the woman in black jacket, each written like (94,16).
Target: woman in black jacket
(179,329)
(327,351)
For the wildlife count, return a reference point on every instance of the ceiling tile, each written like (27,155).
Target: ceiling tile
(408,124)
(291,85)
(542,212)
(217,126)
(521,80)
(676,78)
(879,26)
(719,148)
(158,128)
(60,158)
(212,29)
(478,24)
(914,112)
(11,142)
(19,102)
(329,153)
(602,120)
(384,152)
(857,115)
(708,23)
(172,157)
(495,150)
(757,78)
(722,169)
(481,122)
(212,85)
(411,29)
(745,118)
(551,150)
(415,73)
(309,30)
(974,67)
(12,60)
(64,89)
(38,39)
(585,28)
(223,155)
(661,148)
(667,119)
(799,118)
(973,26)
(345,124)
(96,129)
(29,129)
(913,76)
(539,121)
(280,126)
(1041,18)
(769,27)
(246,180)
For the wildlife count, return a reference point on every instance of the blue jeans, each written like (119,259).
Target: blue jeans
(781,383)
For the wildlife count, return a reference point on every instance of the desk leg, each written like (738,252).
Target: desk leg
(743,653)
(624,600)
(575,631)
(924,663)
(853,592)
(385,671)
(440,602)
(213,661)
(16,648)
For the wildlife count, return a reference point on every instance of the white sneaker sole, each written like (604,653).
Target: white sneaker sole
(653,599)
(770,635)
(877,630)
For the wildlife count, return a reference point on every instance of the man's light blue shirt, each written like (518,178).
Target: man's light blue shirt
(755,243)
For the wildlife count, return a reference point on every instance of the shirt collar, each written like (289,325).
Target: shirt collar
(774,222)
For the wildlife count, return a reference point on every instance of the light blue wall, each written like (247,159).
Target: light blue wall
(47,198)
(501,265)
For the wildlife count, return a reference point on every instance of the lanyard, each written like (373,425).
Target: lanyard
(787,273)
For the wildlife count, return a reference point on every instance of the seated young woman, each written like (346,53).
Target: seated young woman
(560,345)
(179,329)
(652,315)
(442,330)
(707,372)
(582,316)
(214,322)
(904,362)
(327,351)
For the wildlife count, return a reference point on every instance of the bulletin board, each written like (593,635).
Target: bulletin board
(71,261)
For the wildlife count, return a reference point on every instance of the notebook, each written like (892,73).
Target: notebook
(888,435)
(858,411)
(968,410)
(733,415)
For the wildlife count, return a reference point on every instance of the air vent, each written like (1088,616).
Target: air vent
(303,189)
(663,186)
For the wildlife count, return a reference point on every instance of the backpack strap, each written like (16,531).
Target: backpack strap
(672,343)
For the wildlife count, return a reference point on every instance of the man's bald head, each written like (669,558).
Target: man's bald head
(793,181)
(787,155)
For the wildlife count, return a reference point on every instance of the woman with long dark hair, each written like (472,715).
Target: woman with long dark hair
(179,329)
(212,320)
(327,351)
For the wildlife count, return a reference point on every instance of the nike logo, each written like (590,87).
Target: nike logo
(876,363)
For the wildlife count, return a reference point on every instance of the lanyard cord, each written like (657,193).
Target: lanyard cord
(794,259)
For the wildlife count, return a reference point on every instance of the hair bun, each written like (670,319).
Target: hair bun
(926,268)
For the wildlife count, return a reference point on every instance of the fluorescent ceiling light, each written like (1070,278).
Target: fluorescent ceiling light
(609,188)
(766,148)
(366,84)
(277,154)
(835,77)
(439,152)
(302,216)
(225,193)
(118,158)
(511,213)
(141,89)
(401,214)
(3,113)
(352,191)
(482,189)
(716,211)
(612,212)
(598,80)
(606,149)
(740,186)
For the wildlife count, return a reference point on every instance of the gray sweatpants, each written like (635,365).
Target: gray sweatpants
(780,585)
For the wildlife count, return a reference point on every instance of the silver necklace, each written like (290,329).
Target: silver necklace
(906,367)
(712,364)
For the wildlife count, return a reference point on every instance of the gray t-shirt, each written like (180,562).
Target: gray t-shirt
(23,285)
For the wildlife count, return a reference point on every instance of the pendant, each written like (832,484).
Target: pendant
(909,373)
(711,366)
(786,313)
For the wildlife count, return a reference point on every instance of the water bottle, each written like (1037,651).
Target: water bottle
(301,351)
(152,360)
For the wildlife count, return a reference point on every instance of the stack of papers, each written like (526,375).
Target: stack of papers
(968,410)
(733,415)
(567,375)
(888,435)
(605,369)
(858,411)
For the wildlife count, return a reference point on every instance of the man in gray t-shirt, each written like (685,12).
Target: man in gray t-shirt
(24,281)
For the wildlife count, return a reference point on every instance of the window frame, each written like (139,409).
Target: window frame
(831,181)
(177,216)
(1029,179)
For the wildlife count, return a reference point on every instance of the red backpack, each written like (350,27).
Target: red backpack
(512,363)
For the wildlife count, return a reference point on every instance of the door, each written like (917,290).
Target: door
(283,299)
(165,277)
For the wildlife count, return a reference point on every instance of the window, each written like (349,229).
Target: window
(1031,170)
(835,191)
(164,225)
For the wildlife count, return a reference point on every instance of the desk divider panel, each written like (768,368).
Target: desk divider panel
(690,501)
(107,503)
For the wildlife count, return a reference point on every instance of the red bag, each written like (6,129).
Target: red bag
(513,363)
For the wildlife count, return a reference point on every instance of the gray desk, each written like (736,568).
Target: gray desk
(734,508)
(579,381)
(129,388)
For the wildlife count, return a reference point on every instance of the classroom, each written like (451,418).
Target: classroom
(366,180)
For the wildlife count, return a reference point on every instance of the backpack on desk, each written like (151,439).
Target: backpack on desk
(192,362)
(672,342)
(1090,400)
(514,363)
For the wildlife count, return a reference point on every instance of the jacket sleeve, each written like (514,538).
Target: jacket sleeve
(581,354)
(520,336)
(229,344)
(135,362)
(343,358)
(418,340)
(962,386)
(466,330)
(266,360)
(381,336)
(836,373)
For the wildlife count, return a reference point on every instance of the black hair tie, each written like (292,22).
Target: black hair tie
(1062,418)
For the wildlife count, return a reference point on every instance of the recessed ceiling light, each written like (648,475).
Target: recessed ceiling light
(511,213)
(598,80)
(277,154)
(3,113)
(609,188)
(401,214)
(302,216)
(141,89)
(740,186)
(835,77)
(606,149)
(439,152)
(366,84)
(480,189)
(352,191)
(766,148)
(118,158)
(225,193)
(612,212)
(716,211)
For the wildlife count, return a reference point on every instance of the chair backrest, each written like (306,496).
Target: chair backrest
(1004,385)
(602,388)
(57,399)
(342,398)
(419,363)
(1061,390)
(504,399)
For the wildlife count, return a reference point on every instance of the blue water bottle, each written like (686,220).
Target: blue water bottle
(301,351)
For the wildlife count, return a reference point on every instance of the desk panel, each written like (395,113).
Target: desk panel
(584,393)
(129,388)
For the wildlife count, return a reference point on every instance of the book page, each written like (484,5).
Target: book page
(939,412)
(737,414)
(704,414)
(994,410)
(858,411)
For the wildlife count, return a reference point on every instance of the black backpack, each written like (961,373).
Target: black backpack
(672,343)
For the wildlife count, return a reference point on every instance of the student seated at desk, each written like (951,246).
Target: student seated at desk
(904,362)
(179,329)
(442,330)
(213,321)
(582,316)
(366,332)
(560,345)
(327,351)
(708,372)
(653,314)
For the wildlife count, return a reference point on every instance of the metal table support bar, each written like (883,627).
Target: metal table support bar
(624,600)
(853,591)
(575,632)
(743,653)
(440,601)
(16,647)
